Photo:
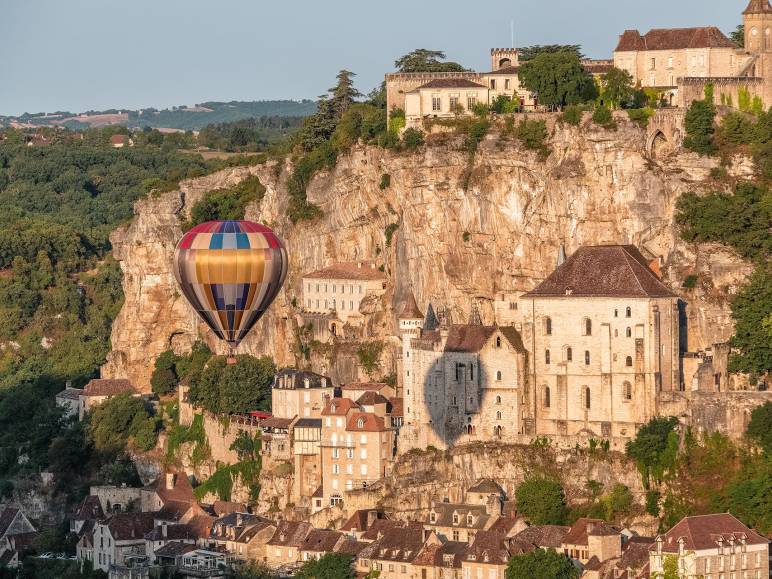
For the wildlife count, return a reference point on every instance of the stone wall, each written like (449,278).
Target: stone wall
(692,89)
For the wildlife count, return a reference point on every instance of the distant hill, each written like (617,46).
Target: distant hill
(183,117)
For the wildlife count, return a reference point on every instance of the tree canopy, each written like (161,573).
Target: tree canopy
(328,566)
(541,564)
(542,501)
(558,79)
(118,421)
(234,388)
(424,60)
(527,53)
(617,87)
(654,448)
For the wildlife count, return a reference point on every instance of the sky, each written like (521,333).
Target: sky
(79,55)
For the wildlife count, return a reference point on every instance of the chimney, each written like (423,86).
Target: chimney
(239,520)
(371,517)
(164,531)
(170,480)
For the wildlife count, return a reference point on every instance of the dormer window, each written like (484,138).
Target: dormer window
(455,518)
(498,341)
(469,520)
(433,517)
(360,423)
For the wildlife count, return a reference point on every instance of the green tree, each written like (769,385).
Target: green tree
(654,448)
(328,566)
(699,127)
(254,571)
(533,134)
(603,117)
(558,79)
(572,115)
(369,356)
(412,139)
(234,388)
(750,307)
(118,421)
(527,53)
(738,36)
(423,60)
(542,501)
(760,427)
(617,87)
(343,94)
(541,564)
(736,129)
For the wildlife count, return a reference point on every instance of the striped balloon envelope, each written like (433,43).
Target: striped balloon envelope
(230,272)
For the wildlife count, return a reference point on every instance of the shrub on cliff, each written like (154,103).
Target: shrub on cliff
(542,501)
(412,139)
(640,116)
(542,563)
(328,566)
(604,118)
(751,310)
(228,203)
(572,115)
(736,129)
(533,135)
(558,78)
(655,448)
(760,427)
(118,421)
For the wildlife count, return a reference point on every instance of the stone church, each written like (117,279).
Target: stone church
(586,353)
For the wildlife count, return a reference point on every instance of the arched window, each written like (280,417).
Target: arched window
(587,401)
(628,312)
(497,432)
(546,356)
(498,399)
(587,327)
(586,357)
(498,375)
(629,361)
(471,371)
(569,354)
(360,423)
(629,332)
(498,415)
(548,326)
(547,400)
(627,391)
(469,429)
(498,341)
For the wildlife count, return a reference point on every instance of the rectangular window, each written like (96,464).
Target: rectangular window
(653,64)
(363,469)
(493,84)
(453,102)
(506,83)
(363,454)
(670,62)
(436,103)
(471,101)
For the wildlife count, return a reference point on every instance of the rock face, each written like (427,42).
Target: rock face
(469,230)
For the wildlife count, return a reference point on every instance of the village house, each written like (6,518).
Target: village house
(283,548)
(589,539)
(321,541)
(163,534)
(17,536)
(307,454)
(331,297)
(440,560)
(356,448)
(69,401)
(100,389)
(170,555)
(354,390)
(712,547)
(393,553)
(361,520)
(120,538)
(276,440)
(205,563)
(241,534)
(299,393)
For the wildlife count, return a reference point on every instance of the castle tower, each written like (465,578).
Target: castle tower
(504,57)
(758,26)
(410,326)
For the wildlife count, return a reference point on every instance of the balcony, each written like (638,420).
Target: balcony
(337,444)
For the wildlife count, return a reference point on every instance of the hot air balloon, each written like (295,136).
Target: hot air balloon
(230,272)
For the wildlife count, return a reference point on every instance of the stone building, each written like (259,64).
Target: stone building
(714,547)
(681,61)
(602,332)
(300,393)
(592,538)
(356,448)
(98,390)
(443,98)
(332,296)
(459,382)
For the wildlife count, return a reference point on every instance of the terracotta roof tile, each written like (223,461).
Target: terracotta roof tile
(584,527)
(705,531)
(450,83)
(365,271)
(173,533)
(339,407)
(359,520)
(366,422)
(410,309)
(758,7)
(126,526)
(603,271)
(371,398)
(321,540)
(490,546)
(397,407)
(543,536)
(445,555)
(505,71)
(290,534)
(674,39)
(472,338)
(380,527)
(109,387)
(174,549)
(399,543)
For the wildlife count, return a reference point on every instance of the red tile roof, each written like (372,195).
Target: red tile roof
(365,271)
(397,407)
(758,7)
(410,309)
(89,508)
(584,527)
(366,422)
(359,521)
(371,398)
(127,526)
(705,531)
(506,71)
(321,541)
(290,534)
(445,555)
(603,271)
(339,407)
(674,39)
(374,386)
(472,338)
(450,83)
(108,387)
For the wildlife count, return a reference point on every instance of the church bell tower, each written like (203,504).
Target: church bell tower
(758,26)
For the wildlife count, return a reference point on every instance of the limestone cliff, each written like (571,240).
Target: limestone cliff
(468,231)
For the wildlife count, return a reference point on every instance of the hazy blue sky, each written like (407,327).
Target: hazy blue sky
(83,54)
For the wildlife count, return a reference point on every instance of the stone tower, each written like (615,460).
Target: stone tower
(410,326)
(504,57)
(758,26)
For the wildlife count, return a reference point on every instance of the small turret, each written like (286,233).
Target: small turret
(410,317)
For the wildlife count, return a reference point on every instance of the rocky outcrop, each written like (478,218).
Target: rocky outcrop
(467,231)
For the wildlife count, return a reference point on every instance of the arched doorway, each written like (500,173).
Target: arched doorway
(658,145)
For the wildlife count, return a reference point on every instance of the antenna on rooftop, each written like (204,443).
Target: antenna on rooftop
(512,31)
